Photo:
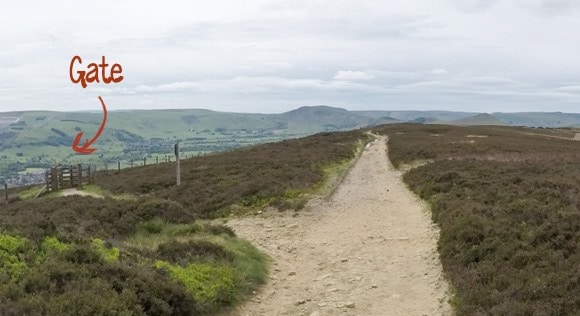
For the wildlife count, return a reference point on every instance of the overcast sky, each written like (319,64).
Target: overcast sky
(274,56)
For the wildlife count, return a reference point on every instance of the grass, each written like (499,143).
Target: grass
(30,192)
(97,191)
(508,207)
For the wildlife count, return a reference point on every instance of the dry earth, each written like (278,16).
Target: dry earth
(369,249)
(69,192)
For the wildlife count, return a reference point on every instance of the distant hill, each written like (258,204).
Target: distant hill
(408,116)
(41,138)
(331,119)
(479,119)
(539,119)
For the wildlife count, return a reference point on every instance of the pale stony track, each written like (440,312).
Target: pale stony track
(369,249)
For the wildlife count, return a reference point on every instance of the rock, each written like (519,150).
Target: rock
(349,304)
(344,260)
(320,278)
(292,273)
(374,286)
(358,278)
(300,302)
(322,304)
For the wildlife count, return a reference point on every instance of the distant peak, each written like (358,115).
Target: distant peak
(317,110)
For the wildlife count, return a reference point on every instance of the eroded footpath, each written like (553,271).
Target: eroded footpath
(369,249)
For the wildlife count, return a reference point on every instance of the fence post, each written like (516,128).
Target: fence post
(131,163)
(6,192)
(89,174)
(118,166)
(144,161)
(178,167)
(80,176)
(54,175)
(157,159)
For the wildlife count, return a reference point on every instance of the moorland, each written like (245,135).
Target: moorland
(140,245)
(506,200)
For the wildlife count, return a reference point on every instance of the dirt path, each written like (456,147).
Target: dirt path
(69,192)
(370,249)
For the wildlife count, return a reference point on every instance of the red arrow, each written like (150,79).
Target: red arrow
(85,148)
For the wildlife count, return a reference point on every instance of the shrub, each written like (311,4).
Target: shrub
(218,229)
(208,284)
(182,253)
(12,250)
(107,252)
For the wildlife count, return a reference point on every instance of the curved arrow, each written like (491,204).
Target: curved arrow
(84,149)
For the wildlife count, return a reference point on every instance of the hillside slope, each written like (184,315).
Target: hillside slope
(139,248)
(479,119)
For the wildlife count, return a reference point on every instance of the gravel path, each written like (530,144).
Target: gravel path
(369,249)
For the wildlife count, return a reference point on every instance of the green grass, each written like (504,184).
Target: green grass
(30,192)
(508,209)
(217,283)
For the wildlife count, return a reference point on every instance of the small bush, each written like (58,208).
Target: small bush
(154,226)
(107,252)
(218,229)
(192,251)
(165,209)
(210,285)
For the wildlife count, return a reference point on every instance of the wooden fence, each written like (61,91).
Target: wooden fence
(62,177)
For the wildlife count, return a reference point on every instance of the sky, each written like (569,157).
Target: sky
(274,56)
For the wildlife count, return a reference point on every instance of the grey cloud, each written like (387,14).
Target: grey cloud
(474,6)
(550,8)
